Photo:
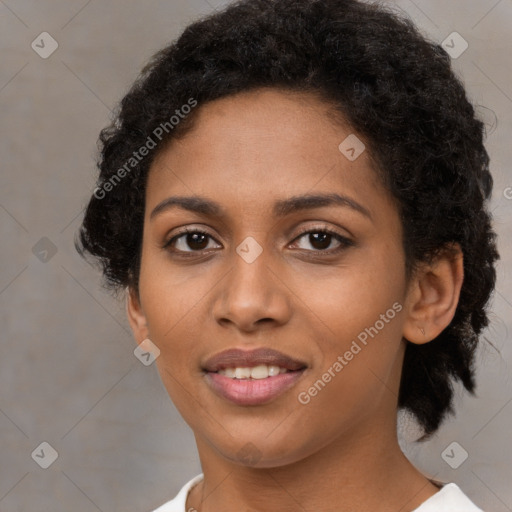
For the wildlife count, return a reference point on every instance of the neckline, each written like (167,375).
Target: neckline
(198,478)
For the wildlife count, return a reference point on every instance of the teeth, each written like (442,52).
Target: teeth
(261,371)
(242,373)
(228,372)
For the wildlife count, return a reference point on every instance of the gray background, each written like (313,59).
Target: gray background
(68,375)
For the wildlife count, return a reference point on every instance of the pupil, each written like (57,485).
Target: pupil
(196,241)
(321,239)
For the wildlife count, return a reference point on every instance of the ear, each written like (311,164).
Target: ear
(136,316)
(433,296)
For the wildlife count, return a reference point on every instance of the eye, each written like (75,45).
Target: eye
(321,238)
(192,238)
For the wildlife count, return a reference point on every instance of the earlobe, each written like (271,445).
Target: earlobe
(433,296)
(136,316)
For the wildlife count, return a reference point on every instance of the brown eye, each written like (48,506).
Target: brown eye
(196,241)
(189,241)
(320,240)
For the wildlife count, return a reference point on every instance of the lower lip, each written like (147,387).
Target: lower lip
(252,391)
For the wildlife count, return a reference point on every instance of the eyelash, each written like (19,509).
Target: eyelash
(343,241)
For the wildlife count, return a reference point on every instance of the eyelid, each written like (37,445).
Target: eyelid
(320,228)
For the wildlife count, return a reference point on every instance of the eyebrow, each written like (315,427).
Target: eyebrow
(281,208)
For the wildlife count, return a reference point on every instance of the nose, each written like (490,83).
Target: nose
(252,296)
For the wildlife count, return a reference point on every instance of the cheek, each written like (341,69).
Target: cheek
(351,297)
(360,311)
(170,293)
(175,318)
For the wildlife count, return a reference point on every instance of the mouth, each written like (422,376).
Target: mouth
(261,371)
(252,377)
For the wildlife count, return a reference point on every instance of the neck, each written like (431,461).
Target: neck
(363,470)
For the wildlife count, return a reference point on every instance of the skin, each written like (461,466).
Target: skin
(246,152)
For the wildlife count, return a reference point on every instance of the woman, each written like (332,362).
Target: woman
(294,195)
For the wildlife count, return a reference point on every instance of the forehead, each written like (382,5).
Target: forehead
(265,145)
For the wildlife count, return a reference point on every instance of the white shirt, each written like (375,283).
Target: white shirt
(448,499)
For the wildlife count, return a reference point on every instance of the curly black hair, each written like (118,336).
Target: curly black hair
(390,83)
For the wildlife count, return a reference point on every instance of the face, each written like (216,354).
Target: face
(259,266)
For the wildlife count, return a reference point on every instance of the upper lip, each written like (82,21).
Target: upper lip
(233,358)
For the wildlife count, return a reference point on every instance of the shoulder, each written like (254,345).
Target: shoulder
(178,503)
(449,499)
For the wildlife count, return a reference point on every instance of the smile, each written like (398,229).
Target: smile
(252,377)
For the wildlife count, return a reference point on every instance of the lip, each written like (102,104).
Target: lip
(235,357)
(252,391)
